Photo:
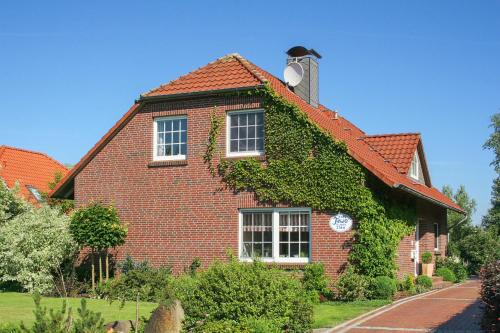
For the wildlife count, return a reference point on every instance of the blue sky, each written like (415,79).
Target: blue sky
(69,70)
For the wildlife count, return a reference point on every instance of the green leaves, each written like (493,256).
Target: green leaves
(307,167)
(97,227)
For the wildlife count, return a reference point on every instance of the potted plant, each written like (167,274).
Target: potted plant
(427,265)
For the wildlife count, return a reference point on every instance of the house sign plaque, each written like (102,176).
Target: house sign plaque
(341,222)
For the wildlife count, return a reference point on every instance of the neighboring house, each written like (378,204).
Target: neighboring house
(31,170)
(150,166)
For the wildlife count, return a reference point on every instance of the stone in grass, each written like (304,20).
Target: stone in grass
(120,326)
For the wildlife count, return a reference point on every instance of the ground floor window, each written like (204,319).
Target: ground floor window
(281,235)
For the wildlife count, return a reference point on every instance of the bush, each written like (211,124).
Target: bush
(426,257)
(351,286)
(478,248)
(383,287)
(314,280)
(446,273)
(408,284)
(490,291)
(10,328)
(235,291)
(455,265)
(141,279)
(33,247)
(424,281)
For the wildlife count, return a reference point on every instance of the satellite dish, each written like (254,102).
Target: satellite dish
(293,74)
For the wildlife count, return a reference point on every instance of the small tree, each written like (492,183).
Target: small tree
(66,205)
(98,227)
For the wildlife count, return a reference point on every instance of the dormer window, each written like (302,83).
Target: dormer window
(415,167)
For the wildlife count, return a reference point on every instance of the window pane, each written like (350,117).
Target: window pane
(294,250)
(284,236)
(268,250)
(257,219)
(160,126)
(260,131)
(242,132)
(257,235)
(184,149)
(294,235)
(184,124)
(242,119)
(175,137)
(304,219)
(283,249)
(176,124)
(184,137)
(251,144)
(168,138)
(304,235)
(161,151)
(259,119)
(257,250)
(168,150)
(168,125)
(304,250)
(175,150)
(283,219)
(259,145)
(247,250)
(234,146)
(247,219)
(251,118)
(247,236)
(251,132)
(242,146)
(268,234)
(161,138)
(234,133)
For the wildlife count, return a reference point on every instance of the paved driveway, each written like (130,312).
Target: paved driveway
(455,309)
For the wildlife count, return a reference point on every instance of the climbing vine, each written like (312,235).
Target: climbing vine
(307,167)
(213,133)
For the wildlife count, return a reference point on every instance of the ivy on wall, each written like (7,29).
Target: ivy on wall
(307,167)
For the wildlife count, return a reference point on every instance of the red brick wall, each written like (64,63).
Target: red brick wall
(427,214)
(178,211)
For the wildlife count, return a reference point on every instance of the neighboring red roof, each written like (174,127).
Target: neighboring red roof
(29,168)
(232,72)
(399,149)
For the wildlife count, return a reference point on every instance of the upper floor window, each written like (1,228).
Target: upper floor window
(245,133)
(415,167)
(170,138)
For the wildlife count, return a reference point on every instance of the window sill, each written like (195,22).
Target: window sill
(243,157)
(159,164)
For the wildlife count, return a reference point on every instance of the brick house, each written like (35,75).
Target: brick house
(150,166)
(31,170)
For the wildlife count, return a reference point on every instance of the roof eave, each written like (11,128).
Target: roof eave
(425,197)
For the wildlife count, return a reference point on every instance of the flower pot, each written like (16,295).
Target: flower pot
(427,269)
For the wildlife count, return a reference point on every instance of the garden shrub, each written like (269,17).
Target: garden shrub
(383,287)
(148,282)
(351,286)
(315,280)
(11,203)
(426,257)
(33,247)
(490,289)
(10,328)
(234,291)
(424,281)
(408,284)
(447,274)
(455,265)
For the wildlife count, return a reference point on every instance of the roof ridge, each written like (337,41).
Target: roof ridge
(3,148)
(392,134)
(248,66)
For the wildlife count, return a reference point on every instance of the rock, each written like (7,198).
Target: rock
(120,326)
(166,319)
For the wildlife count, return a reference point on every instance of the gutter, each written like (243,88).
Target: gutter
(420,195)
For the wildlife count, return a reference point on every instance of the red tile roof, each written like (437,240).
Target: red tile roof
(28,168)
(232,72)
(396,148)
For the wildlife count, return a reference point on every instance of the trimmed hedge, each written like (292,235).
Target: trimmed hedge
(383,287)
(447,274)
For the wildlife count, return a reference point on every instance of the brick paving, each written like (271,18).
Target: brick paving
(455,309)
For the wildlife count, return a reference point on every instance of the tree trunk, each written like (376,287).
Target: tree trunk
(100,266)
(107,265)
(93,270)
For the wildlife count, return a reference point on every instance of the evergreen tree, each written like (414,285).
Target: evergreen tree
(492,219)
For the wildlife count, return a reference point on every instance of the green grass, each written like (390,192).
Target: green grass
(330,314)
(17,307)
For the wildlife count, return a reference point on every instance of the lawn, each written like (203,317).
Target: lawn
(330,314)
(17,307)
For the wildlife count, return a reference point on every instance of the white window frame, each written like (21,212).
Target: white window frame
(276,240)
(415,167)
(155,139)
(228,135)
(436,236)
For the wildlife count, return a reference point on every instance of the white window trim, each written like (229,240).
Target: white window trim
(275,223)
(415,167)
(436,235)
(228,135)
(155,139)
